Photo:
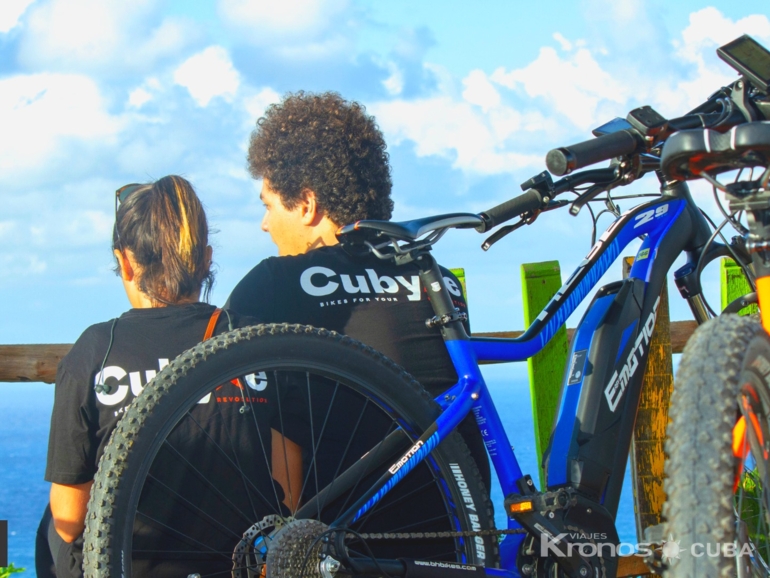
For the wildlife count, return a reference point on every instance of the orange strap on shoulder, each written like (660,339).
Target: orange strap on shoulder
(212,324)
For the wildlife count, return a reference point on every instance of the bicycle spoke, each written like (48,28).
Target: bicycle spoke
(187,502)
(285,453)
(358,482)
(268,459)
(211,484)
(345,452)
(236,465)
(183,537)
(316,446)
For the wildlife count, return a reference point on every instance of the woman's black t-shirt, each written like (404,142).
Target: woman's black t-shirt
(143,342)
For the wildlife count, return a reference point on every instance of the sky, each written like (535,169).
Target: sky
(95,94)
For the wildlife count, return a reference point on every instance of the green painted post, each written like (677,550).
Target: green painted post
(734,285)
(460,274)
(540,282)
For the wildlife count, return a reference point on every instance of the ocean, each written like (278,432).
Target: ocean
(24,425)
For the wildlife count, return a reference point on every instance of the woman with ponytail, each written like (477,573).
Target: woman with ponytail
(160,244)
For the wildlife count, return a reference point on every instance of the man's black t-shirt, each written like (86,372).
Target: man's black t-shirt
(372,300)
(143,342)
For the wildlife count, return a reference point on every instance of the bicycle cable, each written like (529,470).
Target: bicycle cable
(729,246)
(699,266)
(736,224)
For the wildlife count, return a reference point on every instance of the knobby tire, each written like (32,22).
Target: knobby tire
(724,356)
(182,480)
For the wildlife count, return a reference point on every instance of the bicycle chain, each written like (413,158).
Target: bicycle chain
(433,535)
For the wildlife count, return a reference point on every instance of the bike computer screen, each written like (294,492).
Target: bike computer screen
(750,58)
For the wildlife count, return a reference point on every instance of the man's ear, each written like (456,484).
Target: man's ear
(126,269)
(309,210)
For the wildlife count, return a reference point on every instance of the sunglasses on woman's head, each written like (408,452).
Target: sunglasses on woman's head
(120,196)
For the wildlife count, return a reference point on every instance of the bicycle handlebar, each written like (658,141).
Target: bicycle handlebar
(564,160)
(529,201)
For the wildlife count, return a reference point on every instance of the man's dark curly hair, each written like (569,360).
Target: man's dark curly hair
(323,143)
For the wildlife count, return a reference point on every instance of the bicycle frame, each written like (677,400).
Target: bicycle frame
(601,388)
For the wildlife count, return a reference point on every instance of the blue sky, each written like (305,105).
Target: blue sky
(98,93)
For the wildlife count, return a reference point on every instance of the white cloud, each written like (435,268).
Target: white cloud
(394,84)
(255,105)
(565,44)
(295,30)
(38,111)
(268,21)
(208,74)
(139,97)
(20,266)
(479,91)
(455,130)
(87,228)
(575,85)
(10,13)
(709,28)
(105,35)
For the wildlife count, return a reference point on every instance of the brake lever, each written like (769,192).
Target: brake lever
(526,219)
(586,198)
(503,231)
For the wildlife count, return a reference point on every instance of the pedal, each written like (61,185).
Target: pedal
(544,502)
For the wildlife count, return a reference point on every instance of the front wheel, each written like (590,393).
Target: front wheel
(249,430)
(717,485)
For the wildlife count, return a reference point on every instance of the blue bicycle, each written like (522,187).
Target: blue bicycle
(385,486)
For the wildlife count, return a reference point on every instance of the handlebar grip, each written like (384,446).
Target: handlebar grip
(564,160)
(529,201)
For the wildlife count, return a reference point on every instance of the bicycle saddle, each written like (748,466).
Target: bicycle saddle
(689,153)
(411,230)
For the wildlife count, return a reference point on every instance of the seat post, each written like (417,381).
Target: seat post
(447,317)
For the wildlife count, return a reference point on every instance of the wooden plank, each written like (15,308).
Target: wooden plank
(540,282)
(734,284)
(647,457)
(31,362)
(38,362)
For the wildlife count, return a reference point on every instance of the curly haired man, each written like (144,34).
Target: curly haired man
(323,163)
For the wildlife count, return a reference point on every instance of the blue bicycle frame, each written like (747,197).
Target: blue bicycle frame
(600,391)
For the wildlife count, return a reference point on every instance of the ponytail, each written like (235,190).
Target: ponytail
(164,226)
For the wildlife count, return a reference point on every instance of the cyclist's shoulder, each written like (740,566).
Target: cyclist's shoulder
(87,348)
(93,335)
(280,268)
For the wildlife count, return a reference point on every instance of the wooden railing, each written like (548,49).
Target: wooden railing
(37,362)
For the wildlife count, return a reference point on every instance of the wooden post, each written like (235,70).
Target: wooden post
(734,284)
(647,458)
(460,274)
(540,282)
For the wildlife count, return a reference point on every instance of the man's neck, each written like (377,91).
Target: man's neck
(323,235)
